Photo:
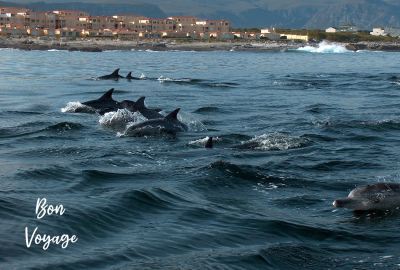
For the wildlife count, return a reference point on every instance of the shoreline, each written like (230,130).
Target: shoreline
(99,45)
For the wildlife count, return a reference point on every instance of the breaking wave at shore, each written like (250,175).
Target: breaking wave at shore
(325,47)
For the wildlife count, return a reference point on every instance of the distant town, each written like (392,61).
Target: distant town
(71,24)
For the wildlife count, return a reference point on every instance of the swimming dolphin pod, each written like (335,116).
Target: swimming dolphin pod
(115,76)
(106,104)
(156,123)
(379,196)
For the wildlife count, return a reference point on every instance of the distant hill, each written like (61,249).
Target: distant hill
(251,13)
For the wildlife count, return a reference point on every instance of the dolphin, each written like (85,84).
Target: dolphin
(130,77)
(113,76)
(168,124)
(379,196)
(141,107)
(147,112)
(209,143)
(104,103)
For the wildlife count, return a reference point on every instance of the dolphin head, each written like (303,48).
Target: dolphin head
(380,196)
(352,203)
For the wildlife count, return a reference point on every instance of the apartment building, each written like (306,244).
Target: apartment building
(74,23)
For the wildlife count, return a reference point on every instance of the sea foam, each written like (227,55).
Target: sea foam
(77,107)
(325,47)
(274,142)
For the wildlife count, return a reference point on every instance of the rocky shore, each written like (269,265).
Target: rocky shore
(99,45)
(374,46)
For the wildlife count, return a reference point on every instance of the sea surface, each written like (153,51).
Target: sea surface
(293,131)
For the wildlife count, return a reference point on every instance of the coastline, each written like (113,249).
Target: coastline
(99,45)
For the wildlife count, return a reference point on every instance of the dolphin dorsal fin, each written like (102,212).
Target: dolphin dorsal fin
(173,114)
(129,75)
(140,102)
(107,95)
(115,72)
(209,143)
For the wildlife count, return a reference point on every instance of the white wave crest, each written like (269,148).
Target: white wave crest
(162,79)
(120,119)
(274,141)
(77,107)
(325,47)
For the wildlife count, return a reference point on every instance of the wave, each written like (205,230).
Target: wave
(325,47)
(304,83)
(274,142)
(375,125)
(191,122)
(33,128)
(198,82)
(318,108)
(229,173)
(63,127)
(20,113)
(77,107)
(339,165)
(206,109)
(120,209)
(51,173)
(298,201)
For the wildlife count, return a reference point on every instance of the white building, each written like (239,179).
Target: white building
(331,30)
(267,31)
(378,31)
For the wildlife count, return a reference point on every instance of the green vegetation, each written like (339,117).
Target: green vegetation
(319,35)
(251,30)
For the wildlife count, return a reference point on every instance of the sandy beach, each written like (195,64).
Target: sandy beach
(98,45)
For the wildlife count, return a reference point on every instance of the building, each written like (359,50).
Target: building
(270,34)
(295,37)
(331,30)
(13,18)
(75,23)
(378,31)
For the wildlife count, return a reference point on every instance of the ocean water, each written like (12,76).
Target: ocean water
(294,131)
